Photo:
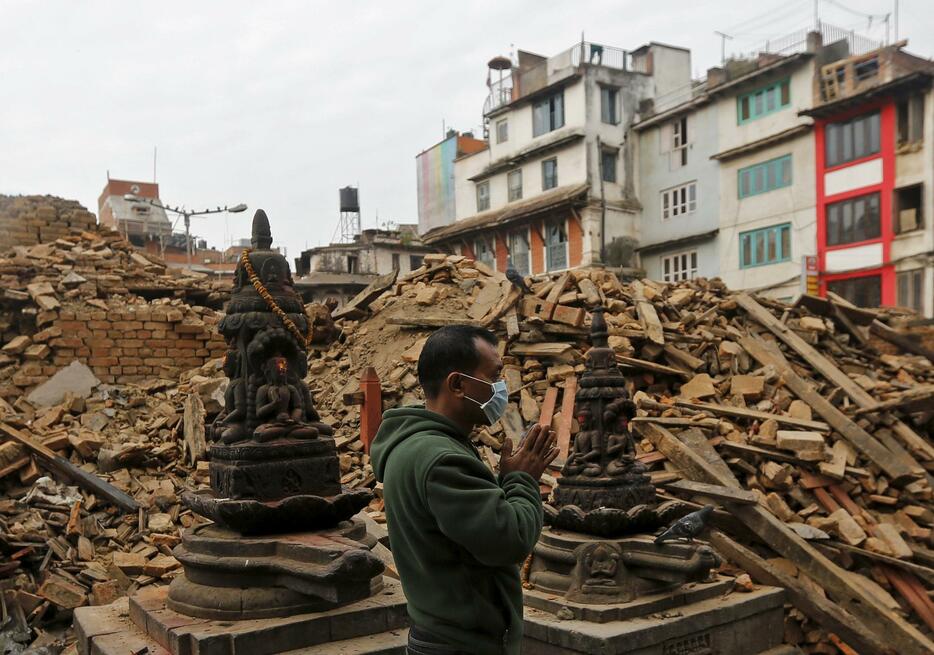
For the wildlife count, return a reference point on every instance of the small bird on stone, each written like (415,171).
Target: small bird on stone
(517,280)
(687,527)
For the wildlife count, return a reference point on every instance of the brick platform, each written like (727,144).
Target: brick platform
(375,626)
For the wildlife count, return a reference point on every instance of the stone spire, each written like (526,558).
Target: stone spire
(262,235)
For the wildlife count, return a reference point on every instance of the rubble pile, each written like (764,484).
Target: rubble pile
(808,427)
(814,414)
(26,220)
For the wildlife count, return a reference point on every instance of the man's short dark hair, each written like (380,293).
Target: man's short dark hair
(451,348)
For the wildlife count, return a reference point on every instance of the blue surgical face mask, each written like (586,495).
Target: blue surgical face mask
(495,407)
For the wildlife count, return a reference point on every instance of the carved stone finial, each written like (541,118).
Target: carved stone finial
(262,235)
(598,331)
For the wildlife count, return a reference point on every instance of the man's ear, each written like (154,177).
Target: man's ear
(454,383)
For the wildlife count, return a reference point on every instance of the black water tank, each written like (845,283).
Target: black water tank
(349,201)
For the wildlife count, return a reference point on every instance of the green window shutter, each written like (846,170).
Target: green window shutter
(769,245)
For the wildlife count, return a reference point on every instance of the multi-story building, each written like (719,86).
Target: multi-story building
(435,176)
(874,152)
(139,222)
(678,186)
(554,189)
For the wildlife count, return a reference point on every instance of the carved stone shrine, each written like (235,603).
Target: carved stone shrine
(282,564)
(596,571)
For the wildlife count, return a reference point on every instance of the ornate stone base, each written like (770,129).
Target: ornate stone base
(374,626)
(582,568)
(276,469)
(291,514)
(694,623)
(228,576)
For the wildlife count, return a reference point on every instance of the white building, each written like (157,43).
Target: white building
(554,189)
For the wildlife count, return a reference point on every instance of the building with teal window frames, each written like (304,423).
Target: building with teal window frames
(766,176)
(768,245)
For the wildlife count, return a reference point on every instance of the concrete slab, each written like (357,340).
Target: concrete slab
(76,378)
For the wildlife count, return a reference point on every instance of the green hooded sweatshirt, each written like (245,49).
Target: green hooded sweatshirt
(458,534)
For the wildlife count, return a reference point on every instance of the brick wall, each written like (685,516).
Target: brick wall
(27,220)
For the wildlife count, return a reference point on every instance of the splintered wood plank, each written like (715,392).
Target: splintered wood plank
(647,315)
(567,416)
(632,362)
(548,407)
(742,412)
(512,324)
(827,368)
(715,491)
(696,441)
(882,457)
(903,637)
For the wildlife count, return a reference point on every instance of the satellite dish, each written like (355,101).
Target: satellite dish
(134,188)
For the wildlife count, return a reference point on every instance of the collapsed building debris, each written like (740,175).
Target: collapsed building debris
(806,430)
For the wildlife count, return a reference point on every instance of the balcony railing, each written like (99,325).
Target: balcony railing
(595,54)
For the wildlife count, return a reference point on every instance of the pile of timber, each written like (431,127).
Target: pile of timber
(809,426)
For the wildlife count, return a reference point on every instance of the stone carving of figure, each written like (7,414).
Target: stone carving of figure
(585,457)
(620,450)
(231,422)
(601,563)
(280,407)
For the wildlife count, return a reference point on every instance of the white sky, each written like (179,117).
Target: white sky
(278,104)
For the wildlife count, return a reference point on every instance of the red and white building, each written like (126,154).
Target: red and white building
(874,151)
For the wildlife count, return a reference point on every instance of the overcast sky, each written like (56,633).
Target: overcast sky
(278,104)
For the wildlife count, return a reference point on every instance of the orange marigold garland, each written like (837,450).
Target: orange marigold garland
(271,302)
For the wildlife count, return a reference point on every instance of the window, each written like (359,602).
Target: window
(549,174)
(679,200)
(852,139)
(853,220)
(910,285)
(679,141)
(861,291)
(351,264)
(483,196)
(682,266)
(514,182)
(608,165)
(763,102)
(609,105)
(395,261)
(910,113)
(548,114)
(483,252)
(769,245)
(415,261)
(907,210)
(502,131)
(556,246)
(767,176)
(519,252)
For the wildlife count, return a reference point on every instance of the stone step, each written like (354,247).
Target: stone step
(384,643)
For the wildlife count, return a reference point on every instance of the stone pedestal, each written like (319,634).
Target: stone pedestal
(229,576)
(697,619)
(374,626)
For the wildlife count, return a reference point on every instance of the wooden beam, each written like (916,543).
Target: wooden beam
(899,472)
(815,606)
(63,467)
(547,411)
(371,413)
(742,412)
(904,638)
(827,368)
(356,308)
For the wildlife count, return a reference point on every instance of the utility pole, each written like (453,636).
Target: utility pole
(896,21)
(186,214)
(723,37)
(817,15)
